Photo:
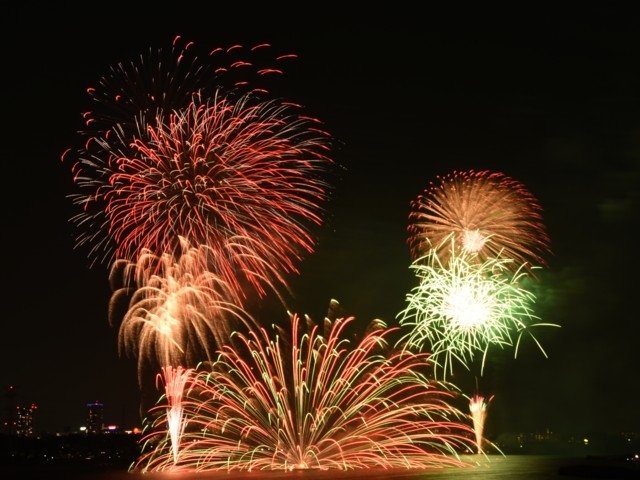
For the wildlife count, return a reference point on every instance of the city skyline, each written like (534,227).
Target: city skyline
(20,417)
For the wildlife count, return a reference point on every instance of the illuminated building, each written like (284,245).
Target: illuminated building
(95,413)
(26,420)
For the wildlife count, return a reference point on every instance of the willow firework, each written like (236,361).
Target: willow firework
(311,400)
(484,212)
(177,312)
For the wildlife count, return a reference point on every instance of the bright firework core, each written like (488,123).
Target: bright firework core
(467,307)
(473,240)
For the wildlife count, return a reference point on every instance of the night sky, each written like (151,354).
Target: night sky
(551,99)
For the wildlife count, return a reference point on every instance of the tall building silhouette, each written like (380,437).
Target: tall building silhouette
(95,421)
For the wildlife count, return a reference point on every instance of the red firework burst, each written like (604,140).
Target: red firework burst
(221,167)
(241,177)
(479,211)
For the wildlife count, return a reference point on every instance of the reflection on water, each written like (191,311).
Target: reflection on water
(520,467)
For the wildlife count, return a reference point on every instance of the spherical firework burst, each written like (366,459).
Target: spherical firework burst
(171,152)
(245,177)
(178,312)
(308,400)
(467,307)
(484,212)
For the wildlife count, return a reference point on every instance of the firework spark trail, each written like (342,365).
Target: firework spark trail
(481,211)
(178,312)
(311,401)
(467,307)
(163,80)
(478,407)
(175,380)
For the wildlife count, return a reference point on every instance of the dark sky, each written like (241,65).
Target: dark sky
(550,98)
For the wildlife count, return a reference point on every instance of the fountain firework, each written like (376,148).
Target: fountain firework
(309,399)
(478,407)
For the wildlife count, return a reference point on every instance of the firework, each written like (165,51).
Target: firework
(243,177)
(462,310)
(478,407)
(175,380)
(484,212)
(178,312)
(311,400)
(161,81)
(173,152)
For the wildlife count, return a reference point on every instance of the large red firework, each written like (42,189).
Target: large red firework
(242,177)
(484,212)
(226,168)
